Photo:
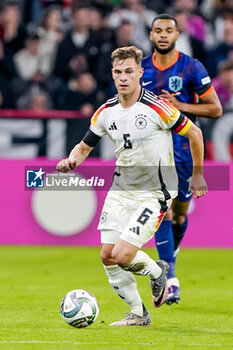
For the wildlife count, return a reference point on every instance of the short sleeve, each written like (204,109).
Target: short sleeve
(170,117)
(200,79)
(97,121)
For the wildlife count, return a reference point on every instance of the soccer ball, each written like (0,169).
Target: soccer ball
(79,308)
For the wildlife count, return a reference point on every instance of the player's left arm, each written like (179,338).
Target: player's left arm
(210,106)
(171,118)
(198,185)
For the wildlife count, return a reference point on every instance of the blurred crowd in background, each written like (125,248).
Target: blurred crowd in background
(55,55)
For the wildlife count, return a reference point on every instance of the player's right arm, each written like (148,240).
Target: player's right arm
(77,156)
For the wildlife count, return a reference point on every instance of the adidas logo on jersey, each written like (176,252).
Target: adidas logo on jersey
(135,230)
(113,126)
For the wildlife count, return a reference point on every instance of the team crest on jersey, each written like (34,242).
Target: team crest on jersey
(175,83)
(140,122)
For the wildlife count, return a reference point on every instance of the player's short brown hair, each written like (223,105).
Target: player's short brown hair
(123,53)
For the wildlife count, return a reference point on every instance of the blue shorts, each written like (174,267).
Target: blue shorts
(184,172)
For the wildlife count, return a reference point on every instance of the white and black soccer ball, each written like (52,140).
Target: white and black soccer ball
(79,308)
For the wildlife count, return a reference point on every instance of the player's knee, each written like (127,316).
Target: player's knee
(179,219)
(105,256)
(121,258)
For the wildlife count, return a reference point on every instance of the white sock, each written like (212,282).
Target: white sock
(173,282)
(142,264)
(125,285)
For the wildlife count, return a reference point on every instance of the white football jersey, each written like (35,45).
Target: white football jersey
(143,138)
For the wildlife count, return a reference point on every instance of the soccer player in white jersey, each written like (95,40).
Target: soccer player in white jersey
(140,125)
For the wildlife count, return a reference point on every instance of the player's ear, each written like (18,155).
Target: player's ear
(177,34)
(141,71)
(151,36)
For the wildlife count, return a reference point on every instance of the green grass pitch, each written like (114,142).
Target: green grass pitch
(33,281)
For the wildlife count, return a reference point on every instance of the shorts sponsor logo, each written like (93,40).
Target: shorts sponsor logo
(189,194)
(135,229)
(160,243)
(103,217)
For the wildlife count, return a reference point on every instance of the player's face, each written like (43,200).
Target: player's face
(126,75)
(164,35)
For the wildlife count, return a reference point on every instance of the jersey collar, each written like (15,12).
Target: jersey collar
(141,94)
(171,64)
(139,97)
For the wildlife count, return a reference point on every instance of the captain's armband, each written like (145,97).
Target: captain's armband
(91,139)
(182,125)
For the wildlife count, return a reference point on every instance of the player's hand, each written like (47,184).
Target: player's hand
(170,98)
(65,165)
(198,186)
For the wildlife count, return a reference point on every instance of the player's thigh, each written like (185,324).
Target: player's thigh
(145,221)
